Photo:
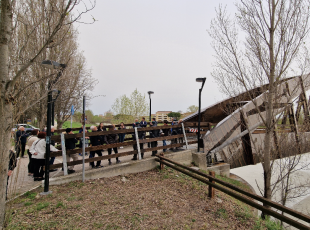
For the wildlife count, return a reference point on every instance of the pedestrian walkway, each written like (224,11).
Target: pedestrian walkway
(20,182)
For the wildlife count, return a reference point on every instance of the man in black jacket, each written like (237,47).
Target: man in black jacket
(70,144)
(165,132)
(21,139)
(112,139)
(154,134)
(95,141)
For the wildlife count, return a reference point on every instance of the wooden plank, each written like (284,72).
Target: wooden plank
(202,124)
(226,136)
(102,147)
(246,141)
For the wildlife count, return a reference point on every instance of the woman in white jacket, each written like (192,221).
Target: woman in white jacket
(38,150)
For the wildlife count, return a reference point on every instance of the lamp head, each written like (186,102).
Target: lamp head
(150,92)
(203,79)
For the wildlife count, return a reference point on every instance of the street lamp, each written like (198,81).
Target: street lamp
(50,65)
(53,105)
(203,80)
(150,92)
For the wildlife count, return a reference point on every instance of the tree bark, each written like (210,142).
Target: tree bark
(6,109)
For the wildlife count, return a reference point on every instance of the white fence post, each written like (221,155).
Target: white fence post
(64,156)
(138,144)
(184,136)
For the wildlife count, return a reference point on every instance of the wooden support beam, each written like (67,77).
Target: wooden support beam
(293,122)
(246,140)
(305,103)
(226,136)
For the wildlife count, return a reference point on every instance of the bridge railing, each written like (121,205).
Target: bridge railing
(186,134)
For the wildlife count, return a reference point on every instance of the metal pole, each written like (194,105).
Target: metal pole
(48,143)
(84,98)
(53,111)
(150,108)
(71,120)
(199,120)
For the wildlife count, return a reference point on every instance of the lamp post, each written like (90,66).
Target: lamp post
(150,92)
(203,80)
(53,105)
(51,65)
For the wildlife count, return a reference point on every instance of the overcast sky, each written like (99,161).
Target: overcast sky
(159,46)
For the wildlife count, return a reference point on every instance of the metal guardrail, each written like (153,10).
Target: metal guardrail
(210,180)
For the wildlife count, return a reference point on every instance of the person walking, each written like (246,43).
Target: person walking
(95,141)
(112,139)
(20,140)
(121,135)
(38,150)
(70,144)
(30,140)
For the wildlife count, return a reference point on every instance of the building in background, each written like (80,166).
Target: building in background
(162,115)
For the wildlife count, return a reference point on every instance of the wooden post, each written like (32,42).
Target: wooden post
(161,164)
(246,141)
(211,189)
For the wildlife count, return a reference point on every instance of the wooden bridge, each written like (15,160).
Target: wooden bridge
(237,133)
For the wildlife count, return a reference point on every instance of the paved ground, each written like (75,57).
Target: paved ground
(20,182)
(299,197)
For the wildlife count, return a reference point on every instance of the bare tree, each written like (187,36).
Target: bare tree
(274,34)
(54,15)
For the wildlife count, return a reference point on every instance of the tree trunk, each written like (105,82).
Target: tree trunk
(269,110)
(6,109)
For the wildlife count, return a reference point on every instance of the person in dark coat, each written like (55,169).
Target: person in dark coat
(101,128)
(143,123)
(95,141)
(112,139)
(121,135)
(12,165)
(174,131)
(70,144)
(141,136)
(154,134)
(20,140)
(165,132)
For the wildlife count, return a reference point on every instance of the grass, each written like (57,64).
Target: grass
(67,124)
(30,195)
(165,199)
(43,205)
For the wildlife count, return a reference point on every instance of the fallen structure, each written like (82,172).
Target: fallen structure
(235,134)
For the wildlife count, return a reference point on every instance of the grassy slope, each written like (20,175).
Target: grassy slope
(148,200)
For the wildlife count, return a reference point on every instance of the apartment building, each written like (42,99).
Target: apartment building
(163,115)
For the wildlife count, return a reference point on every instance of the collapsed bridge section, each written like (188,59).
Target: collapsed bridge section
(237,132)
